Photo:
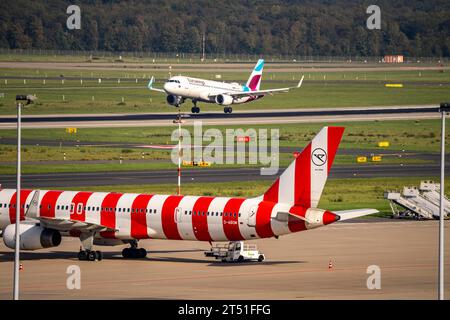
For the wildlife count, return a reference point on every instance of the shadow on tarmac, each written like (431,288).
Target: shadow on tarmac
(8,256)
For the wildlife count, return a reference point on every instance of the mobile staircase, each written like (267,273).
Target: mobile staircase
(418,203)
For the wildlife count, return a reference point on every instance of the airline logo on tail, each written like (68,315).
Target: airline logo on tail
(302,183)
(254,81)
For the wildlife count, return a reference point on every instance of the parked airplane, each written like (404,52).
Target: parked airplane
(180,88)
(102,218)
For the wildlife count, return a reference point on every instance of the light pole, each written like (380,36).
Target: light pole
(445,107)
(29,99)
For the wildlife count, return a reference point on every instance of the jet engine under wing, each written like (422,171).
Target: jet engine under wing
(263,92)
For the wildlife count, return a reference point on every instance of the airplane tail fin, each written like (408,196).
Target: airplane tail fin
(302,183)
(254,81)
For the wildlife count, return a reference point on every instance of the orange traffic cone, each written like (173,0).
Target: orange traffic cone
(330,265)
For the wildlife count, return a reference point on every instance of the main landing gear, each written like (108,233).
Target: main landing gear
(228,109)
(90,255)
(87,240)
(134,252)
(195,109)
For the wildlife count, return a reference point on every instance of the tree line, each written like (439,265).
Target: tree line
(286,27)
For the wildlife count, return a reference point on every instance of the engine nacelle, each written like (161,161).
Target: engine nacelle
(224,100)
(174,100)
(32,237)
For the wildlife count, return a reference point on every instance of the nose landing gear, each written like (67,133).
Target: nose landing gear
(228,109)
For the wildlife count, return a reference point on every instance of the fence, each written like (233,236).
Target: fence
(213,57)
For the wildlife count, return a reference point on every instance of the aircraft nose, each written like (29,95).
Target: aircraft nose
(330,217)
(166,86)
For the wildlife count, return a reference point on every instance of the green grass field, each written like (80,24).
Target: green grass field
(408,135)
(320,89)
(405,136)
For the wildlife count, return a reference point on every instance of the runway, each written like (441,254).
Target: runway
(220,118)
(296,267)
(204,175)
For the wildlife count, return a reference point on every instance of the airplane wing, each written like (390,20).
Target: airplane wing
(150,85)
(264,92)
(60,224)
(67,225)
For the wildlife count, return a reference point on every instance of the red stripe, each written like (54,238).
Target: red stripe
(139,217)
(302,187)
(230,221)
(263,217)
(168,217)
(334,138)
(108,217)
(200,218)
(294,223)
(12,205)
(48,203)
(80,200)
(272,193)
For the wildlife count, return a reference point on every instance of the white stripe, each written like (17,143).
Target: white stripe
(5,199)
(64,199)
(94,201)
(123,219)
(215,223)
(154,219)
(185,228)
(244,229)
(286,191)
(278,227)
(319,173)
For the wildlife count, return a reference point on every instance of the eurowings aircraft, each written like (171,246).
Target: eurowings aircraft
(180,88)
(104,218)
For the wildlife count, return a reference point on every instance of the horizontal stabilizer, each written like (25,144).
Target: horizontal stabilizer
(351,214)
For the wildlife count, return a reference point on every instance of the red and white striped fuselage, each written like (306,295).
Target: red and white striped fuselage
(145,216)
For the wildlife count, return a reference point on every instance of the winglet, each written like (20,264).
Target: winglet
(150,83)
(32,211)
(300,82)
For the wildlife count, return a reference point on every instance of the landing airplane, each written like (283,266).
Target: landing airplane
(102,218)
(180,88)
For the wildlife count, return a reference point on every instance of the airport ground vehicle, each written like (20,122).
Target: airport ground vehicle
(235,251)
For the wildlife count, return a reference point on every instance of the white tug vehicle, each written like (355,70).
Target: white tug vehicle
(235,251)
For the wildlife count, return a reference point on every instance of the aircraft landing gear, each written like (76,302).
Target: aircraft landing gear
(134,252)
(87,240)
(90,255)
(195,109)
(228,109)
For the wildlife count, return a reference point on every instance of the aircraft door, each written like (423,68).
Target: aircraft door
(178,214)
(251,222)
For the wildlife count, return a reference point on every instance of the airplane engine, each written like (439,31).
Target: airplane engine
(174,100)
(32,237)
(224,100)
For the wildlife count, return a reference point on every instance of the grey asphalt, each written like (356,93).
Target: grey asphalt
(86,179)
